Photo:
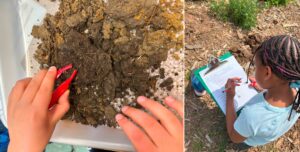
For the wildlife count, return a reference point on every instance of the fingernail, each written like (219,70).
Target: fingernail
(124,109)
(119,117)
(141,99)
(68,92)
(52,68)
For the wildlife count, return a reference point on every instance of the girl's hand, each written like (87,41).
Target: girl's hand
(162,131)
(230,86)
(255,86)
(30,123)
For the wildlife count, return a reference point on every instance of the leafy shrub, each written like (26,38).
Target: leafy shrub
(270,3)
(220,8)
(242,13)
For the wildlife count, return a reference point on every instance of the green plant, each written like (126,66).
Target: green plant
(188,75)
(220,9)
(242,13)
(269,3)
(197,146)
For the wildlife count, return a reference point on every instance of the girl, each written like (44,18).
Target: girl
(271,113)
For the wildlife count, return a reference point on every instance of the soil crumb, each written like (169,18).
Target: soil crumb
(112,44)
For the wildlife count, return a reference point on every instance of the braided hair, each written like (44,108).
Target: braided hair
(282,54)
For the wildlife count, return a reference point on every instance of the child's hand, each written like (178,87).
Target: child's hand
(230,86)
(255,86)
(30,123)
(162,131)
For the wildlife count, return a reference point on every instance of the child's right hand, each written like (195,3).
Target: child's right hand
(230,86)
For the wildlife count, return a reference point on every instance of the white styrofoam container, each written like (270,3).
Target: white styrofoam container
(16,20)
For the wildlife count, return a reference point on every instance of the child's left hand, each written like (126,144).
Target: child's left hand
(255,85)
(30,123)
(230,86)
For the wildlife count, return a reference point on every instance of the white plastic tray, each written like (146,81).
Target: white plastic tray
(16,20)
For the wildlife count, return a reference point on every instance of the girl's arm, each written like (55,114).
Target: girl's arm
(230,112)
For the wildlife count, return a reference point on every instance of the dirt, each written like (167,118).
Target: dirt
(205,128)
(112,44)
(167,84)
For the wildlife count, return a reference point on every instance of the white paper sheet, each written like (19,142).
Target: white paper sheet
(216,80)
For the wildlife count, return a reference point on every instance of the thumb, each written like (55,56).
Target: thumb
(59,110)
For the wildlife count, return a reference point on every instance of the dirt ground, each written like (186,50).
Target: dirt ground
(204,122)
(116,46)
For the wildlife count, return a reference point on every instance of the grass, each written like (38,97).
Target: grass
(197,146)
(221,131)
(222,145)
(188,75)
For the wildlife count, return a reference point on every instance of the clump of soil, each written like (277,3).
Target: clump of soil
(112,44)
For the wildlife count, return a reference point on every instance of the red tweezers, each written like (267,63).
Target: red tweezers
(62,88)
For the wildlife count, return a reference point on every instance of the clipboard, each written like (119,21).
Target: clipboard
(209,73)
